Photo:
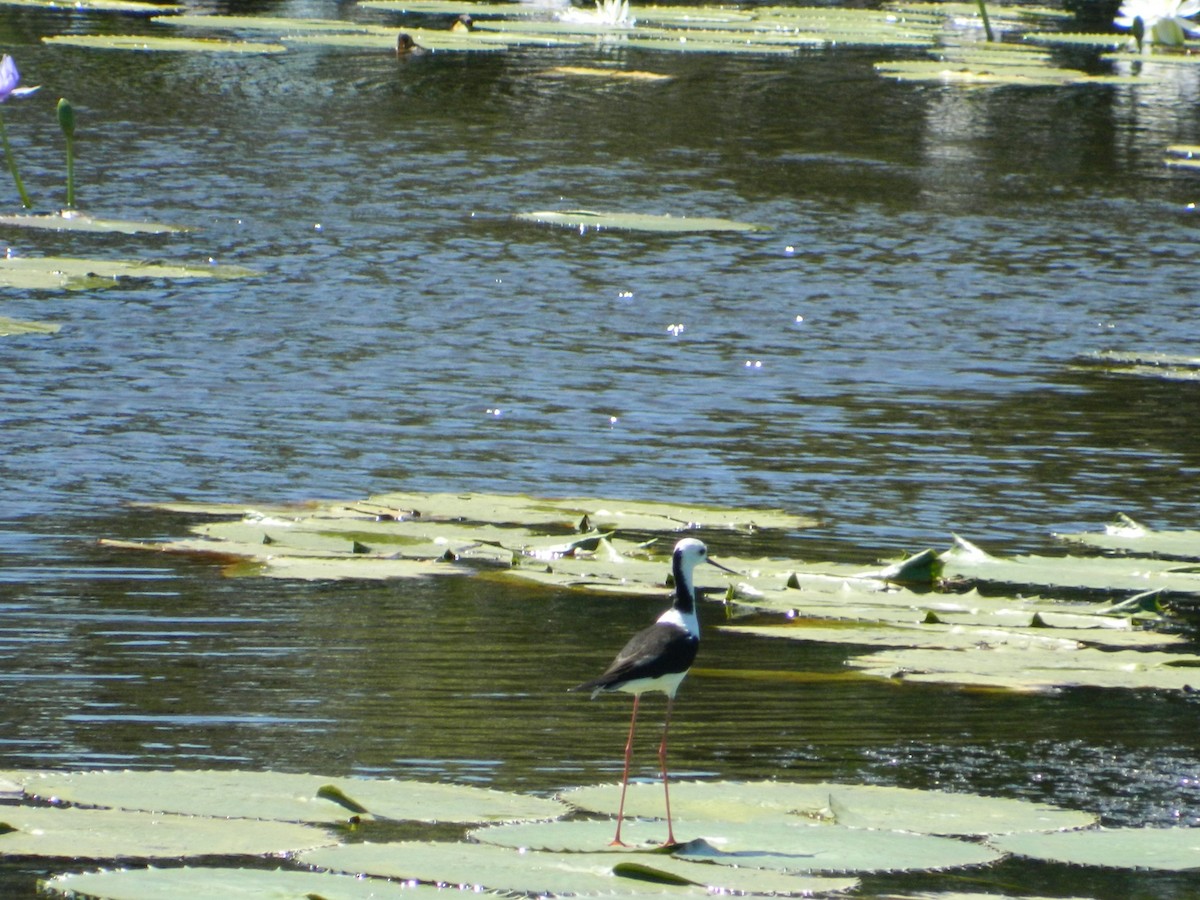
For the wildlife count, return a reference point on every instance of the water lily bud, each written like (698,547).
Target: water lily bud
(66,117)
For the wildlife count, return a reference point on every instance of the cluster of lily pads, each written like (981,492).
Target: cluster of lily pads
(1111,615)
(350,838)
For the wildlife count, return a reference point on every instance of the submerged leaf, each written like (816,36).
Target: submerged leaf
(60,272)
(16,326)
(583,220)
(71,220)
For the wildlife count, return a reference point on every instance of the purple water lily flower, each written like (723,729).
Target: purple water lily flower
(10,78)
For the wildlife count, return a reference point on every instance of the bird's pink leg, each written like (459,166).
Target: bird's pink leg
(662,760)
(616,841)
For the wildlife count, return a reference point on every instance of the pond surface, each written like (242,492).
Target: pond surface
(898,355)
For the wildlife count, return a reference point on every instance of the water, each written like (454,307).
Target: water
(938,262)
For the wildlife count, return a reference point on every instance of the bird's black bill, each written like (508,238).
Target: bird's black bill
(713,562)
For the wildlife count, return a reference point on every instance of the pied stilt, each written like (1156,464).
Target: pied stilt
(657,659)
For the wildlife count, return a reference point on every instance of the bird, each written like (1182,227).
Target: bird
(406,46)
(657,659)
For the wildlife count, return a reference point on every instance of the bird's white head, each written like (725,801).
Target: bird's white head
(689,553)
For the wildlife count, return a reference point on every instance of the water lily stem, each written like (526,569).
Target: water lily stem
(12,166)
(71,173)
(987,23)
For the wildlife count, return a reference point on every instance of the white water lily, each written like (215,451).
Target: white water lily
(1162,21)
(612,12)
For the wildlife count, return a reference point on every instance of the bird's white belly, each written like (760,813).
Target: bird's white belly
(668,684)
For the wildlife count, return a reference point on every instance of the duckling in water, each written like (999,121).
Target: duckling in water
(406,46)
(463,23)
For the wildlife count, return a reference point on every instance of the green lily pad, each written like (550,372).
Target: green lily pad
(222,883)
(1132,538)
(134,7)
(273,24)
(1160,849)
(66,273)
(434,41)
(282,796)
(148,43)
(583,220)
(785,845)
(1036,668)
(72,220)
(453,7)
(16,326)
(1098,574)
(109,834)
(614,872)
(701,804)
(1167,366)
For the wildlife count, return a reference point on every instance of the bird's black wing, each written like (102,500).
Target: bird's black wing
(661,649)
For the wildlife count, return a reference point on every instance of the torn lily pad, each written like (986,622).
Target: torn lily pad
(282,796)
(585,220)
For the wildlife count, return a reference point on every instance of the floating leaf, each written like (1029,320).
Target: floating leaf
(1102,574)
(220,883)
(16,326)
(780,844)
(282,796)
(534,872)
(150,43)
(274,24)
(1132,538)
(109,834)
(65,273)
(71,220)
(1036,668)
(1168,366)
(1163,849)
(847,805)
(112,6)
(609,73)
(584,219)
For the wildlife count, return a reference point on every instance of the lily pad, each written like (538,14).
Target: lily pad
(273,24)
(223,883)
(484,866)
(16,326)
(1167,366)
(607,73)
(134,7)
(149,43)
(846,805)
(68,273)
(1036,668)
(1160,849)
(110,834)
(1134,539)
(282,796)
(583,220)
(1078,573)
(72,220)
